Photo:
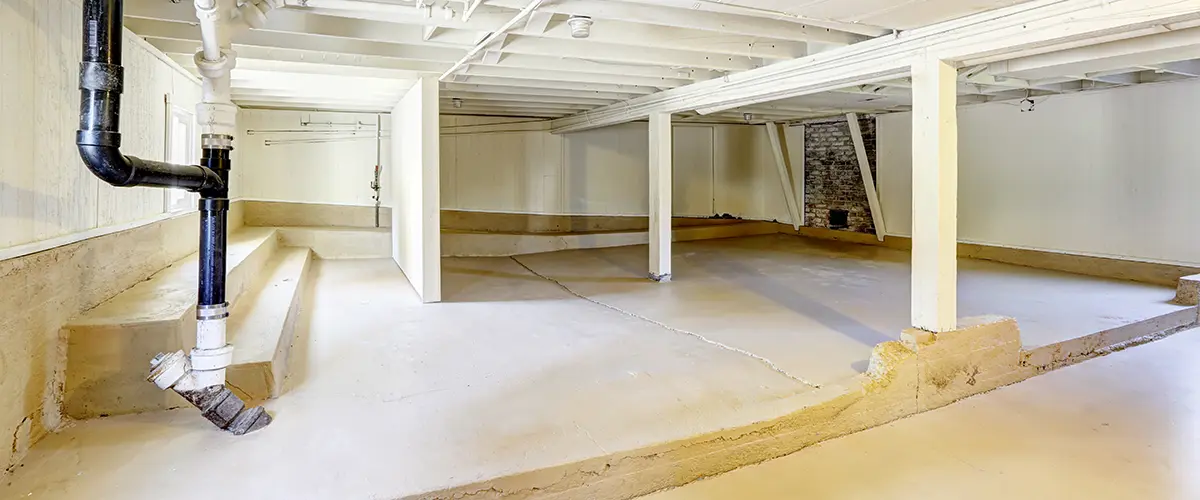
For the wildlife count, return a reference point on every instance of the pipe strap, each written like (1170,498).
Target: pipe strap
(101,76)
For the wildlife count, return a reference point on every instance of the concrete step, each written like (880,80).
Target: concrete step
(502,244)
(340,242)
(109,347)
(262,326)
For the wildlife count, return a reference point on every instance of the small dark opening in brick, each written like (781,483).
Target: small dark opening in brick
(839,219)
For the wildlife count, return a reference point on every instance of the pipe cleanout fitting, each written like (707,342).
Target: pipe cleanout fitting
(199,378)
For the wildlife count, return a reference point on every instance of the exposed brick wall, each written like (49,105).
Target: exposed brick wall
(831,175)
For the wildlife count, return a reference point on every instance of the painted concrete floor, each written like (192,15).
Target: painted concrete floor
(391,398)
(816,308)
(1126,426)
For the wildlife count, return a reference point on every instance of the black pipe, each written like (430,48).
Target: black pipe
(214,212)
(101,81)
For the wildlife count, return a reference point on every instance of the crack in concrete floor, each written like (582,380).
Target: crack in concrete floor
(770,364)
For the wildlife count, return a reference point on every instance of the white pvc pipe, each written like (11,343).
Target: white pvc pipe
(492,37)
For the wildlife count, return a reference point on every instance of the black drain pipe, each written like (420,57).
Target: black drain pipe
(101,80)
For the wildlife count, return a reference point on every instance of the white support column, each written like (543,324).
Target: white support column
(935,195)
(660,197)
(794,138)
(785,179)
(864,167)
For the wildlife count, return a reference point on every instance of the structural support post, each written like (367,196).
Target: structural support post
(785,179)
(864,167)
(935,195)
(660,197)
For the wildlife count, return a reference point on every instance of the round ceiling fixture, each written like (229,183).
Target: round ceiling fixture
(456,102)
(581,26)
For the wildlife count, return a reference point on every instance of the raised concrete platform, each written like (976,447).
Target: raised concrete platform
(613,386)
(456,243)
(262,326)
(109,346)
(1187,292)
(340,242)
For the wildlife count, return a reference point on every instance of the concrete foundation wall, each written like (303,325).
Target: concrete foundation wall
(338,169)
(1108,173)
(416,231)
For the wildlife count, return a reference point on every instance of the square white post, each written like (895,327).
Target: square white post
(934,195)
(660,196)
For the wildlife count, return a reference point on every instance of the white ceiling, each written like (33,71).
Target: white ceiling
(362,55)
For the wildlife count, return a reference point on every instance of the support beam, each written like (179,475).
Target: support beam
(794,138)
(1039,26)
(864,167)
(781,166)
(934,196)
(660,197)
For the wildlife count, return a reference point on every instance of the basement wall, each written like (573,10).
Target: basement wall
(1104,173)
(336,172)
(60,249)
(718,169)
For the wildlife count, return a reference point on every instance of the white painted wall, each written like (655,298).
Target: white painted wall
(416,214)
(335,172)
(718,169)
(45,191)
(1106,173)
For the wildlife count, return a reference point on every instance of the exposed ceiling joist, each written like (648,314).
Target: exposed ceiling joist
(627,54)
(615,78)
(188,48)
(692,19)
(534,93)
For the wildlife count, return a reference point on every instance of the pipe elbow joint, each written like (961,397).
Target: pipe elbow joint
(216,402)
(108,164)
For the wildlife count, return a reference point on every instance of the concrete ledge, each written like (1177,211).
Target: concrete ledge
(294,214)
(108,348)
(341,242)
(503,222)
(1144,272)
(262,327)
(1077,349)
(904,378)
(1187,292)
(492,244)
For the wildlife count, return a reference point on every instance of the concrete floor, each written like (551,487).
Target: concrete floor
(1120,427)
(392,398)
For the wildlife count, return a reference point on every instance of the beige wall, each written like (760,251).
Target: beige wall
(45,191)
(333,172)
(1110,173)
(494,164)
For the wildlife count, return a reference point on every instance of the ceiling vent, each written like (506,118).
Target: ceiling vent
(581,26)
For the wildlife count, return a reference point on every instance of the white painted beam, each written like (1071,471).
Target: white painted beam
(494,97)
(527,92)
(935,196)
(665,37)
(1190,68)
(693,19)
(794,139)
(661,208)
(781,166)
(186,48)
(299,41)
(626,54)
(868,180)
(1169,46)
(550,84)
(248,64)
(614,78)
(1043,25)
(724,7)
(559,63)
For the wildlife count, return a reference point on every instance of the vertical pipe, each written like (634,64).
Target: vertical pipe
(212,308)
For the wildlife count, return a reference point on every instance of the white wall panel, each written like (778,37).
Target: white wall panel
(1108,173)
(45,191)
(416,216)
(337,172)
(604,171)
